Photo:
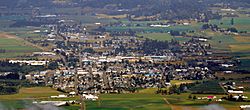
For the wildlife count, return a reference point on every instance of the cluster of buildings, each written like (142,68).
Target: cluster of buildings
(100,63)
(30,62)
(96,62)
(235,92)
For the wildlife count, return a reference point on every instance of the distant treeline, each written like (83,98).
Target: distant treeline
(164,9)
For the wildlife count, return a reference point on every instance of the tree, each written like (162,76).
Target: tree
(89,50)
(232,21)
(194,97)
(232,30)
(174,33)
(52,65)
(190,96)
(205,26)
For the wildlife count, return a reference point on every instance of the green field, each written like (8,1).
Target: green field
(31,94)
(157,36)
(145,99)
(180,28)
(180,102)
(138,101)
(241,23)
(25,97)
(208,87)
(15,47)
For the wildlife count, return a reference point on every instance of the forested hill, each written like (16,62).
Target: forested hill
(128,4)
(164,9)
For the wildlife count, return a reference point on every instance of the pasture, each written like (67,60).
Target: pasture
(180,102)
(243,39)
(231,75)
(241,23)
(143,100)
(208,87)
(24,98)
(137,101)
(142,27)
(14,47)
(31,94)
(157,36)
(240,48)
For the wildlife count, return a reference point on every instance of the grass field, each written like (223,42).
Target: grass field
(241,23)
(232,75)
(243,39)
(178,82)
(31,93)
(25,97)
(143,100)
(240,48)
(137,101)
(245,64)
(181,102)
(157,36)
(180,28)
(15,46)
(208,87)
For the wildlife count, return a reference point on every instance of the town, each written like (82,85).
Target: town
(92,57)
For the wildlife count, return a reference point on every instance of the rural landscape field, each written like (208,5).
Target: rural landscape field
(124,55)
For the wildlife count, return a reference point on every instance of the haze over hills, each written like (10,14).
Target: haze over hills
(171,9)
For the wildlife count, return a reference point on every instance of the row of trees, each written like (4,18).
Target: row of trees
(154,46)
(12,86)
(17,68)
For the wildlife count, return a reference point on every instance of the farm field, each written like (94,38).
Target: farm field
(31,93)
(231,75)
(208,87)
(183,102)
(243,39)
(241,23)
(240,47)
(137,101)
(157,36)
(163,37)
(154,29)
(178,82)
(14,46)
(25,97)
(145,99)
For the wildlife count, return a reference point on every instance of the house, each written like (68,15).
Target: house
(234,92)
(30,62)
(202,39)
(59,96)
(90,97)
(72,93)
(44,53)
(56,103)
(237,97)
(211,97)
(227,65)
(243,107)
